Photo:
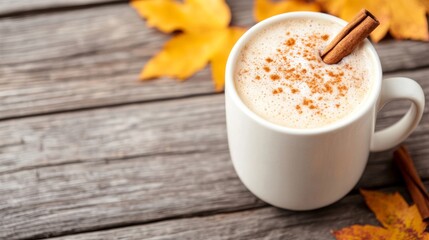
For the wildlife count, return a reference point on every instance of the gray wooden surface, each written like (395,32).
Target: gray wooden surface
(89,152)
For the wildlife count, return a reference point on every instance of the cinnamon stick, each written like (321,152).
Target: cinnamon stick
(350,37)
(413,181)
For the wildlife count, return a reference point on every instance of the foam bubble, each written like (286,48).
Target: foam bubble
(281,77)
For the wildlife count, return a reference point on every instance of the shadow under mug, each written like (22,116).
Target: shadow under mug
(304,169)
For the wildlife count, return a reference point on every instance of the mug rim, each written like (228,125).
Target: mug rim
(230,89)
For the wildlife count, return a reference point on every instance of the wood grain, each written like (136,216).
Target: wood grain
(13,7)
(149,165)
(98,135)
(136,164)
(260,223)
(86,58)
(126,161)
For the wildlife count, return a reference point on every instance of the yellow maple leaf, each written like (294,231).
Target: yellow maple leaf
(184,55)
(426,4)
(399,220)
(187,53)
(408,20)
(267,8)
(220,57)
(405,19)
(206,37)
(189,15)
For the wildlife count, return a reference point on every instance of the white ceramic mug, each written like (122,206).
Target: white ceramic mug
(303,169)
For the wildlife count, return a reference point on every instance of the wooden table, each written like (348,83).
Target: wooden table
(89,152)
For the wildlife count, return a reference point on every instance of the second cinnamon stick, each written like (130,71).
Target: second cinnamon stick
(414,184)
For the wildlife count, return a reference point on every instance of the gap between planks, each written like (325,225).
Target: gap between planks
(75,70)
(112,105)
(55,7)
(172,98)
(77,187)
(351,200)
(202,214)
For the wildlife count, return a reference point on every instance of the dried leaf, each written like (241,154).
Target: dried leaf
(406,19)
(426,4)
(189,16)
(347,10)
(393,211)
(184,55)
(399,220)
(267,8)
(425,236)
(206,37)
(332,6)
(219,59)
(187,53)
(365,232)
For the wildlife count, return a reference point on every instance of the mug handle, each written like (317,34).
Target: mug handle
(394,89)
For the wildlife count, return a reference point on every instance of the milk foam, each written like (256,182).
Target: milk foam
(281,77)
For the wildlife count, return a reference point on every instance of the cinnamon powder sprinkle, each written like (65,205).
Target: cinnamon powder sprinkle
(291,70)
(274,77)
(298,108)
(306,102)
(314,76)
(317,76)
(331,74)
(266,69)
(328,88)
(348,67)
(290,42)
(342,88)
(278,90)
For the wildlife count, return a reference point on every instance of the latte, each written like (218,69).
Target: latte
(281,77)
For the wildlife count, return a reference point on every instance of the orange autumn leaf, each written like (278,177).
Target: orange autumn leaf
(426,4)
(409,21)
(187,53)
(184,55)
(219,59)
(398,220)
(267,8)
(405,19)
(206,37)
(189,16)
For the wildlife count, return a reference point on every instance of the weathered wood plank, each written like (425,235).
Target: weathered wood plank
(11,7)
(261,223)
(81,59)
(40,140)
(146,168)
(91,57)
(71,198)
(113,167)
